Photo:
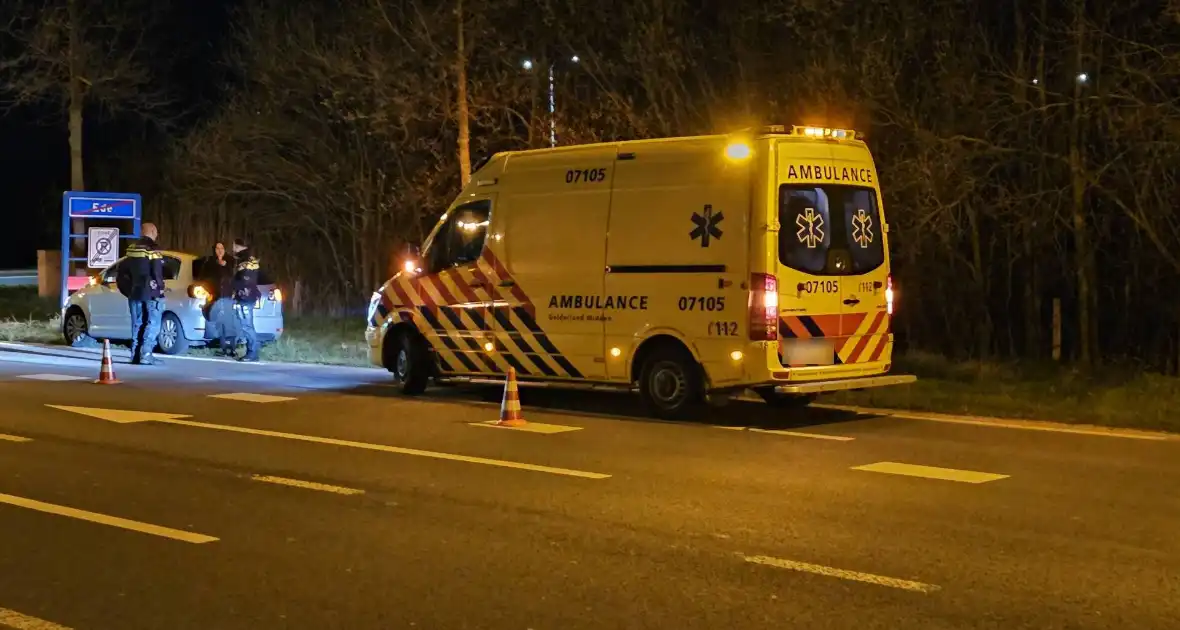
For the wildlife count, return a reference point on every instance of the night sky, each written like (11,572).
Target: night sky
(34,165)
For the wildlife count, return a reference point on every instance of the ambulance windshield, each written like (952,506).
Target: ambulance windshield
(830,229)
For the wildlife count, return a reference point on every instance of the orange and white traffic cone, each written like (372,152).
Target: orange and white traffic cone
(106,374)
(510,415)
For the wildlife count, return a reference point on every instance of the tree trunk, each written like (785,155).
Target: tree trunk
(1030,286)
(462,110)
(1083,251)
(983,332)
(77,183)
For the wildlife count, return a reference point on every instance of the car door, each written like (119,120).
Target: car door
(109,317)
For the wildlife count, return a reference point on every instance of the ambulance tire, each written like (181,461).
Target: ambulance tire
(786,401)
(671,384)
(411,363)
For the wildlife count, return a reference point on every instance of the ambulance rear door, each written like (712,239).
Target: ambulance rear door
(865,324)
(810,302)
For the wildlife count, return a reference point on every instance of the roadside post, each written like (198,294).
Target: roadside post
(102,241)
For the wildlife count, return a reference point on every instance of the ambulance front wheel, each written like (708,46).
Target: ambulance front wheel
(411,363)
(671,384)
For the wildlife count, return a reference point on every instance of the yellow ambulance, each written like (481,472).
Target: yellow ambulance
(689,269)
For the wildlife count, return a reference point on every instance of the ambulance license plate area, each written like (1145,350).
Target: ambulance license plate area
(808,352)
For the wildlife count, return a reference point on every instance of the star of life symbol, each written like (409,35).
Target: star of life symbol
(862,231)
(811,228)
(706,225)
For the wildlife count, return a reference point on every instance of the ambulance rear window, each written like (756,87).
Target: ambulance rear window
(830,229)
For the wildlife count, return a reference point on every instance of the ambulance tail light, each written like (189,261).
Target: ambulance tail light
(763,307)
(889,294)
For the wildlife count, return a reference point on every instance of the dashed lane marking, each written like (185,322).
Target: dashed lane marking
(931,472)
(308,485)
(843,574)
(19,621)
(1001,423)
(531,427)
(14,438)
(126,417)
(254,398)
(53,377)
(802,434)
(105,519)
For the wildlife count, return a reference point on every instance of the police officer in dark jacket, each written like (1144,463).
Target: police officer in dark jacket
(246,293)
(141,281)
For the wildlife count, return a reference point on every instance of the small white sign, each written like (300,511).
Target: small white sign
(102,247)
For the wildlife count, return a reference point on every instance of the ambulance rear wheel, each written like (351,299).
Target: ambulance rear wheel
(411,366)
(671,385)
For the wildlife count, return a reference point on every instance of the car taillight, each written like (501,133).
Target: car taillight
(763,307)
(889,294)
(276,295)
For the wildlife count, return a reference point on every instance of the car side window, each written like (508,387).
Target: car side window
(111,274)
(460,241)
(171,268)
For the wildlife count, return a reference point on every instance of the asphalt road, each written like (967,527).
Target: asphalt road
(331,502)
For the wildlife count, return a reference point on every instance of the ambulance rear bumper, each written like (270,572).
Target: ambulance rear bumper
(843,384)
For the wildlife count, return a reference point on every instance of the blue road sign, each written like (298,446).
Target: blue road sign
(91,206)
(84,205)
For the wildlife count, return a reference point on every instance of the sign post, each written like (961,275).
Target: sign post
(102,242)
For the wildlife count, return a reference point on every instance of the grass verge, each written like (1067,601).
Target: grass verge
(26,317)
(1115,396)
(319,340)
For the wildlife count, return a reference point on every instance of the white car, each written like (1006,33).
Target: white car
(99,311)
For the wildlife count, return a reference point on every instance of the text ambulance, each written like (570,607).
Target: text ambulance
(688,268)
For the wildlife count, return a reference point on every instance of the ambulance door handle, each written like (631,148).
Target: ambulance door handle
(851,302)
(508,283)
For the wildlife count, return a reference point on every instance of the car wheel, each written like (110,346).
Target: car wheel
(786,401)
(411,364)
(75,330)
(171,339)
(671,384)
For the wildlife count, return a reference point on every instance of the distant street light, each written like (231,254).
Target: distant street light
(1083,77)
(528,65)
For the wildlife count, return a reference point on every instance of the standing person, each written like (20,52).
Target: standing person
(246,293)
(141,281)
(220,273)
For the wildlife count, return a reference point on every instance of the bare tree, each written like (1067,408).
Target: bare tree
(78,56)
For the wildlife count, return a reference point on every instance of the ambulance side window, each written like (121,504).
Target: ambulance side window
(460,241)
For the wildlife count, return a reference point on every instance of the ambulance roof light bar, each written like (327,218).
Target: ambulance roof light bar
(823,132)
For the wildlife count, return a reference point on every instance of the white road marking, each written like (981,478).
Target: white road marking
(843,574)
(216,360)
(14,438)
(122,416)
(18,621)
(1001,423)
(817,436)
(53,377)
(931,472)
(104,519)
(531,427)
(309,485)
(249,397)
